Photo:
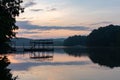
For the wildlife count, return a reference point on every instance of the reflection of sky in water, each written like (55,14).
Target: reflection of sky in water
(23,61)
(67,73)
(61,67)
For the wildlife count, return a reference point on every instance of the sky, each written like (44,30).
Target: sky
(63,18)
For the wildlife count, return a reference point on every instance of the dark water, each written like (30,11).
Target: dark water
(67,64)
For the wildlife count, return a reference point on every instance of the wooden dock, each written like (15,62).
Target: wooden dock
(41,45)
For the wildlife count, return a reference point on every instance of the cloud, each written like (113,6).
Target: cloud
(29,4)
(46,9)
(52,9)
(27,25)
(23,18)
(101,23)
(27,32)
(36,10)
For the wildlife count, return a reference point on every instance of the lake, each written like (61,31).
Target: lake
(67,64)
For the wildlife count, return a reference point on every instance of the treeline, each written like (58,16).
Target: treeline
(108,36)
(75,40)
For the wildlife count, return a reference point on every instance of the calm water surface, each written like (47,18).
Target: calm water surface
(67,64)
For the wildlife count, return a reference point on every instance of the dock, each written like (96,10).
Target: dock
(41,45)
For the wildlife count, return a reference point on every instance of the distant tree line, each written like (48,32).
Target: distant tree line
(108,36)
(75,40)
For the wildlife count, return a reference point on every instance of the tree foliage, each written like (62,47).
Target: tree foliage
(108,36)
(4,71)
(75,40)
(9,10)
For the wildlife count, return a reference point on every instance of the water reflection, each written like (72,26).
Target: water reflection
(42,56)
(26,60)
(76,52)
(75,65)
(109,57)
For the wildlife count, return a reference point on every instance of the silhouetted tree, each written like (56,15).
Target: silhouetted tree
(4,71)
(9,9)
(108,36)
(75,40)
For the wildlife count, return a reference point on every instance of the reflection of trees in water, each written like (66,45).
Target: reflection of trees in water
(76,52)
(4,71)
(109,57)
